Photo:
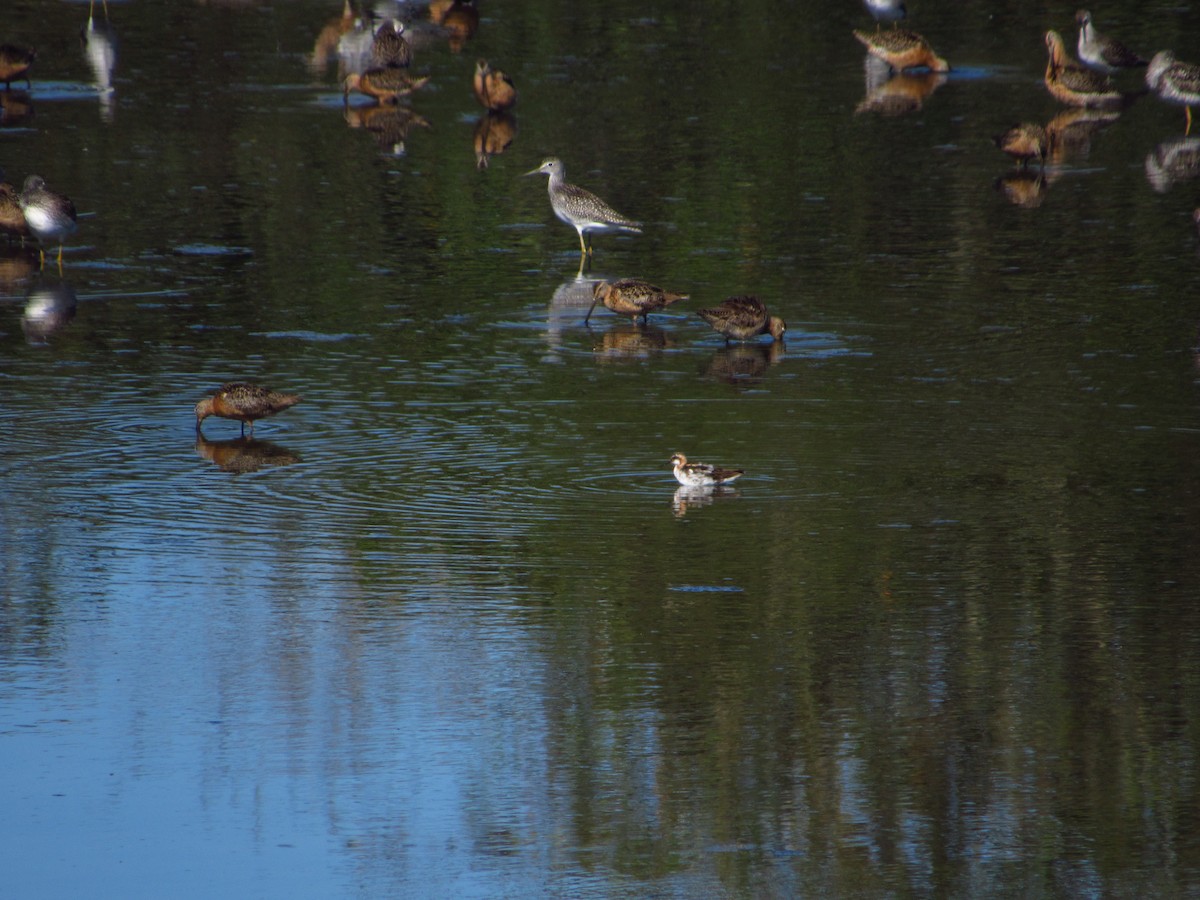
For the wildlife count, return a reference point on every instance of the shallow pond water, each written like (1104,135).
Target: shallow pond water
(447,627)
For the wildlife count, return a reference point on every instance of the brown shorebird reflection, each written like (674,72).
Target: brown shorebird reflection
(1173,162)
(889,94)
(494,132)
(48,310)
(458,20)
(17,265)
(389,123)
(1069,134)
(1025,188)
(629,343)
(326,46)
(15,107)
(686,499)
(243,454)
(744,365)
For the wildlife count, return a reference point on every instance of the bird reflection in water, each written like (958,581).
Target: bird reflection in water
(494,132)
(686,499)
(17,266)
(894,94)
(49,308)
(1069,134)
(628,343)
(1025,188)
(100,47)
(744,365)
(1173,162)
(243,454)
(458,20)
(15,107)
(390,123)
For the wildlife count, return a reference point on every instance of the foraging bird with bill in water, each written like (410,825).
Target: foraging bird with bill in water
(631,297)
(701,474)
(743,318)
(244,402)
(14,64)
(579,208)
(1024,142)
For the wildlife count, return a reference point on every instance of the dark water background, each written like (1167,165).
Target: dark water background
(446,629)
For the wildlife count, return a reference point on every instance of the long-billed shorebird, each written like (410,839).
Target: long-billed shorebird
(244,402)
(902,49)
(743,318)
(582,210)
(631,297)
(1024,142)
(1070,82)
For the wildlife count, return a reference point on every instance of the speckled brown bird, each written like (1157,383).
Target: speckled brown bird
(1071,83)
(244,402)
(1176,82)
(1023,142)
(631,297)
(384,84)
(389,46)
(902,49)
(494,89)
(49,214)
(743,318)
(14,63)
(12,219)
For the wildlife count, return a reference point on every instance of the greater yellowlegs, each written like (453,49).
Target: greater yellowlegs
(1070,83)
(14,63)
(1176,82)
(244,402)
(385,84)
(494,89)
(1101,52)
(743,318)
(631,297)
(886,10)
(389,46)
(1024,142)
(701,474)
(50,215)
(582,210)
(902,49)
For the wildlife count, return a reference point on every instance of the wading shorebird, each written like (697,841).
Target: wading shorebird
(493,89)
(1176,82)
(389,48)
(14,64)
(1071,83)
(743,318)
(902,49)
(1101,52)
(582,210)
(701,474)
(1023,142)
(49,215)
(631,297)
(384,84)
(244,402)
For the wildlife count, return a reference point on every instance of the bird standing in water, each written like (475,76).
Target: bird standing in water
(582,210)
(743,318)
(49,215)
(244,402)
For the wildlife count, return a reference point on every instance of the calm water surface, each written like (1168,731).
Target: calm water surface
(446,628)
